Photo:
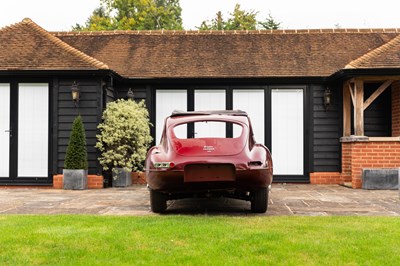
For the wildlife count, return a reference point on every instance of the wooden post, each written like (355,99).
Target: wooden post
(346,110)
(359,108)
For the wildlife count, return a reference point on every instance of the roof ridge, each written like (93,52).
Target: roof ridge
(228,32)
(68,48)
(374,53)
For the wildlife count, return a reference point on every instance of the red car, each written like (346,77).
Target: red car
(197,157)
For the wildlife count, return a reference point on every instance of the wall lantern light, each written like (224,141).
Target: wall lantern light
(327,98)
(130,94)
(75,92)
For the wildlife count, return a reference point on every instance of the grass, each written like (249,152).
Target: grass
(198,240)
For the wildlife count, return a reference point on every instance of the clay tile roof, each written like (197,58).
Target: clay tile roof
(228,54)
(26,46)
(385,56)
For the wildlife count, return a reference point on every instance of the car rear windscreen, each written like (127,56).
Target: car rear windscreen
(208,129)
(208,138)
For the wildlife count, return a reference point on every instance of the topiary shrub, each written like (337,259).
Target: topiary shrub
(124,135)
(76,155)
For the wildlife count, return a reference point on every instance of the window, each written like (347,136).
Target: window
(208,129)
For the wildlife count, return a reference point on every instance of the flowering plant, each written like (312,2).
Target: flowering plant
(124,135)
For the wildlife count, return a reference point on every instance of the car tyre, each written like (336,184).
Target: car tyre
(259,200)
(158,201)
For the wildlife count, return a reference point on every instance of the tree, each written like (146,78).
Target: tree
(135,15)
(269,23)
(76,154)
(242,19)
(239,20)
(99,20)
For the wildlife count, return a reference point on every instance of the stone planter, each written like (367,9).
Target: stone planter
(75,179)
(121,178)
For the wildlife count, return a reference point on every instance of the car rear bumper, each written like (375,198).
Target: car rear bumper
(174,181)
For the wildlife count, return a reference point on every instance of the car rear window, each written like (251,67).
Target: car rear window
(208,129)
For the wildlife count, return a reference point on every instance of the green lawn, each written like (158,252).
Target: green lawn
(199,240)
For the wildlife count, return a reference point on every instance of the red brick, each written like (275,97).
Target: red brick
(94,181)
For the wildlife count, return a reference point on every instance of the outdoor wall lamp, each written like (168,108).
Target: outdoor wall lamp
(130,94)
(327,98)
(75,92)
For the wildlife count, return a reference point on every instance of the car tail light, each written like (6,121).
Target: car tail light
(165,165)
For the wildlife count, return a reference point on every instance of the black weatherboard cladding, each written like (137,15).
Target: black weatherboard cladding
(90,108)
(326,131)
(377,117)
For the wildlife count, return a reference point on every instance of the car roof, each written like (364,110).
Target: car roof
(176,113)
(233,116)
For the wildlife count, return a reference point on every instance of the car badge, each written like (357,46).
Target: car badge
(208,148)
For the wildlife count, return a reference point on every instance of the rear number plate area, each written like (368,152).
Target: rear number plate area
(209,172)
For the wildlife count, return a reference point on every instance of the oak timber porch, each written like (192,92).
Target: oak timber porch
(360,151)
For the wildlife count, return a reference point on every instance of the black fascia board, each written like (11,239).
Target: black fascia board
(348,73)
(42,73)
(222,80)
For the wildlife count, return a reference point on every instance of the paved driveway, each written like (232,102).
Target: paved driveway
(285,199)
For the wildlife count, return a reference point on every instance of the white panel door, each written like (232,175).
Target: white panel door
(33,130)
(251,101)
(287,131)
(166,102)
(205,100)
(4,130)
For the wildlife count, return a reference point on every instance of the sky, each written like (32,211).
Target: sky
(57,15)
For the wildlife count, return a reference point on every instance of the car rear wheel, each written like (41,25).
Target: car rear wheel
(158,201)
(259,200)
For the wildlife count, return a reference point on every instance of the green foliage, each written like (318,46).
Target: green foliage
(198,240)
(76,155)
(125,135)
(135,15)
(239,20)
(270,23)
(99,20)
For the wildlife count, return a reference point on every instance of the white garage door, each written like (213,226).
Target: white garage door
(166,102)
(287,131)
(252,101)
(205,100)
(33,132)
(4,130)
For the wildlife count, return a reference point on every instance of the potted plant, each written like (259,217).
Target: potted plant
(124,139)
(75,166)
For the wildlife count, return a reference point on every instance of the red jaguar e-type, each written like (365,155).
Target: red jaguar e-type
(209,153)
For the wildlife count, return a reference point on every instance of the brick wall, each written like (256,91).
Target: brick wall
(326,178)
(396,109)
(372,154)
(94,181)
(138,178)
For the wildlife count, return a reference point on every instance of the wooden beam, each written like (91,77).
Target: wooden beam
(346,110)
(378,92)
(353,100)
(358,108)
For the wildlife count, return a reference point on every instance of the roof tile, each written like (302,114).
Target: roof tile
(26,46)
(385,56)
(227,54)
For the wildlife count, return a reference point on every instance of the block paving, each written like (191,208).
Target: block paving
(285,199)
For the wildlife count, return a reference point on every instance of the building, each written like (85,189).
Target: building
(324,101)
